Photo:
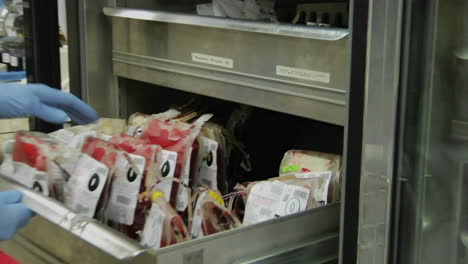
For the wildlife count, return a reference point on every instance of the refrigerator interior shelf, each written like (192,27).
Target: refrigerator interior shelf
(291,69)
(313,232)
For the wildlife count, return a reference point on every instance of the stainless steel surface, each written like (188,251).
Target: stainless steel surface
(382,80)
(162,53)
(97,79)
(64,237)
(289,30)
(305,253)
(253,242)
(85,228)
(433,197)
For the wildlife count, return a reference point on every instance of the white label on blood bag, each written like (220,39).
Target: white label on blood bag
(213,60)
(294,199)
(5,57)
(303,74)
(31,178)
(85,186)
(14,61)
(153,229)
(318,174)
(268,200)
(206,174)
(168,163)
(262,201)
(125,189)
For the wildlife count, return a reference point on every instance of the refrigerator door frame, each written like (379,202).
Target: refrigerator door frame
(379,131)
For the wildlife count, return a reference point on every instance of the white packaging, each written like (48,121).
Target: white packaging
(270,199)
(125,189)
(84,188)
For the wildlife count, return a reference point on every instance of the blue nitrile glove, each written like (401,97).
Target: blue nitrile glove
(51,105)
(13,214)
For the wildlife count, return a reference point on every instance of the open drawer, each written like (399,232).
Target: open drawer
(58,235)
(293,69)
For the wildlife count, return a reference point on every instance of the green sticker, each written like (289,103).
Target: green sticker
(291,168)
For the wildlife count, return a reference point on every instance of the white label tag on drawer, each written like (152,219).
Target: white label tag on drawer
(303,74)
(213,60)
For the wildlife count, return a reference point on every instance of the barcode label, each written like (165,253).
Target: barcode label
(301,194)
(262,201)
(293,200)
(123,200)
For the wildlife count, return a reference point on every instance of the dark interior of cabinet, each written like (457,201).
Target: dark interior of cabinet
(266,134)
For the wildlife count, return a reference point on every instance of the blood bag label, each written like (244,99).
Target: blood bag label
(31,178)
(213,60)
(268,200)
(168,161)
(293,200)
(206,173)
(125,189)
(303,74)
(85,186)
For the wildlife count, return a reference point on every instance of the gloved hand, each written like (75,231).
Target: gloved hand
(51,105)
(13,214)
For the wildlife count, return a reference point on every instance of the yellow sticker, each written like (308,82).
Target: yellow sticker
(215,195)
(156,195)
(291,168)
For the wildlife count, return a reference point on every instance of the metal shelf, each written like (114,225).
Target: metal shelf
(292,69)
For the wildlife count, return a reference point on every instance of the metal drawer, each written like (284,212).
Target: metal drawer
(57,235)
(292,69)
